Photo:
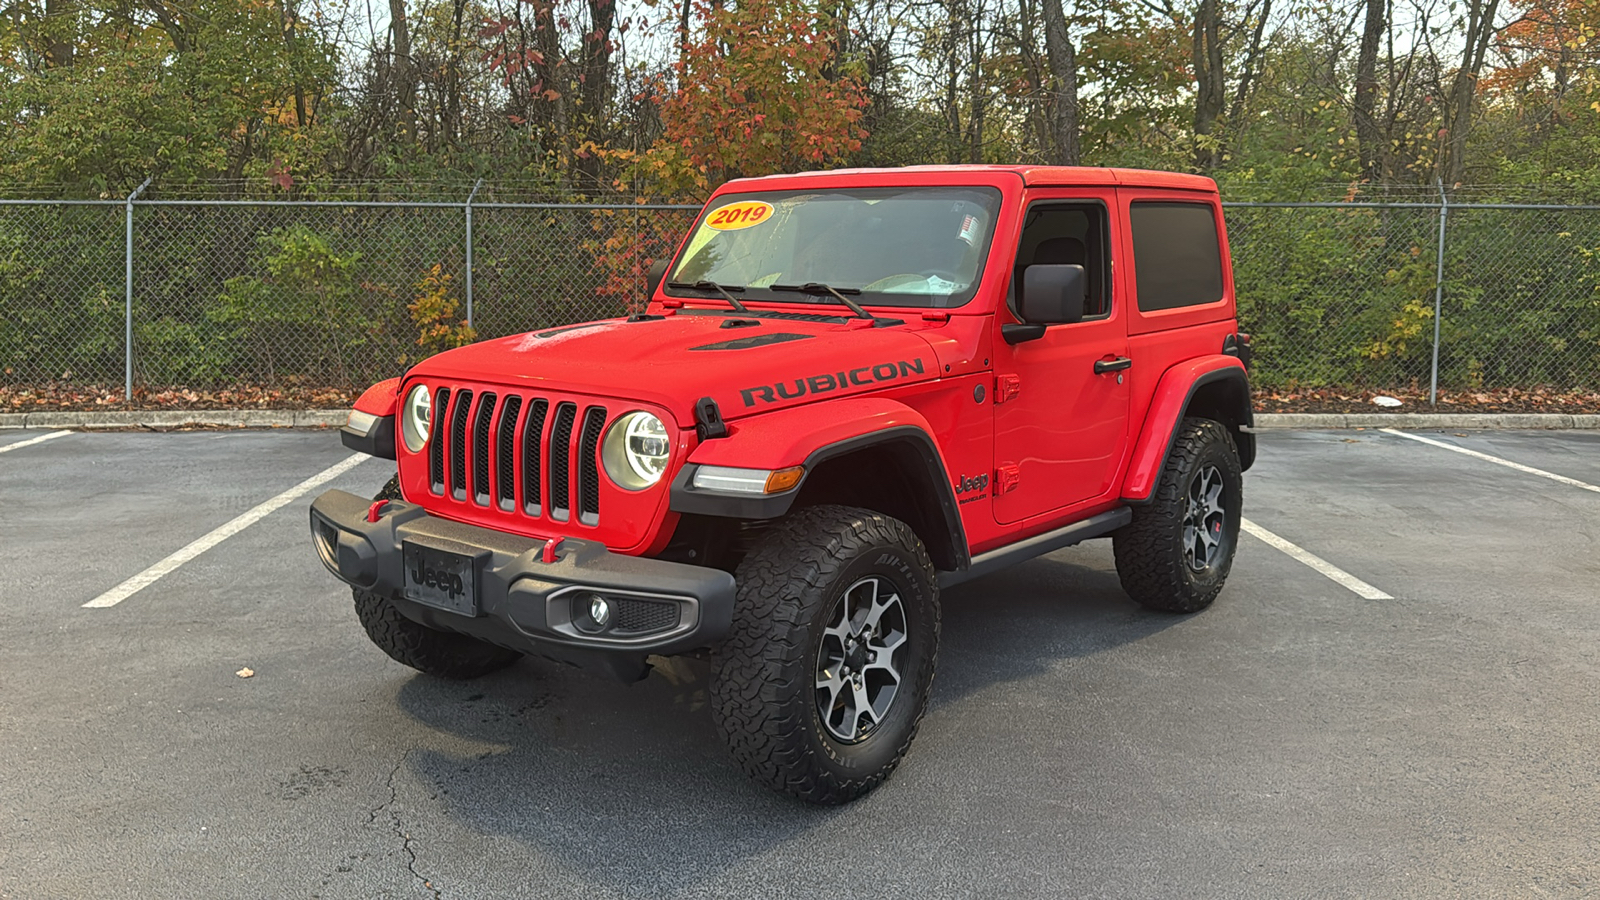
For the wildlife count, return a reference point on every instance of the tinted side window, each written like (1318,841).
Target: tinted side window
(1069,234)
(1176,258)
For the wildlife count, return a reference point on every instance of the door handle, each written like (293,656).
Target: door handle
(1102,366)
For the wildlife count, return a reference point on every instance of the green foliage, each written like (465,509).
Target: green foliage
(300,311)
(228,91)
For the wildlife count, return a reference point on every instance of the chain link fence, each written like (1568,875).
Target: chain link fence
(1346,295)
(340,294)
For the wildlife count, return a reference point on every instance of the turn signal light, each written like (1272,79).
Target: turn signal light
(783,479)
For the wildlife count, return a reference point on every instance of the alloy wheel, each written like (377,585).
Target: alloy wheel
(858,662)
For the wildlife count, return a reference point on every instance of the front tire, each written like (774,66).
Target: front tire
(428,650)
(1176,553)
(443,654)
(824,677)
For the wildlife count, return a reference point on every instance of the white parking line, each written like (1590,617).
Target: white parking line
(149,576)
(1496,460)
(31,441)
(1338,575)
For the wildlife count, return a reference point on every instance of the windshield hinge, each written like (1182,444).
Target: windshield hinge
(708,420)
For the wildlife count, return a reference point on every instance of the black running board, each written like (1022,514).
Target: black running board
(1038,545)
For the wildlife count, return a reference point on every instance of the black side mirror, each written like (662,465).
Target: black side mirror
(1052,295)
(658,271)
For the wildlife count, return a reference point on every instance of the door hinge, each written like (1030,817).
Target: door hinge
(1006,387)
(1006,479)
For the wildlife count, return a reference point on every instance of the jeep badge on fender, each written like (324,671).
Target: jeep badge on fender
(933,373)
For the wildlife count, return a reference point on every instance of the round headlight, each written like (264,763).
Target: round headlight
(636,451)
(415,417)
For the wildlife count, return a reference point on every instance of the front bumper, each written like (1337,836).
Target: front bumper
(524,602)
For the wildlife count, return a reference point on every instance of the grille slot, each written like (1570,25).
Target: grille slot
(560,461)
(533,457)
(436,429)
(505,454)
(480,449)
(458,444)
(594,421)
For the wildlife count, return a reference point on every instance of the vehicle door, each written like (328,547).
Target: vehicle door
(1061,400)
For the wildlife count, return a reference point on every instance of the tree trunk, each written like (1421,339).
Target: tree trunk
(1369,138)
(1252,68)
(551,84)
(1063,58)
(405,81)
(1480,29)
(977,97)
(58,13)
(1209,83)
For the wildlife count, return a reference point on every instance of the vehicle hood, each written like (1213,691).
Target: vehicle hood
(673,361)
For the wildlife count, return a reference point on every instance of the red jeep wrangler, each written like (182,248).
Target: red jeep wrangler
(853,389)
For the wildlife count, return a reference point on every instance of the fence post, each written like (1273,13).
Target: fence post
(127,292)
(469,249)
(1438,294)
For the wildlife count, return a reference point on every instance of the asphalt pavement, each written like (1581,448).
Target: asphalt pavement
(1295,740)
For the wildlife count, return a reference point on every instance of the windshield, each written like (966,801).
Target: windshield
(909,246)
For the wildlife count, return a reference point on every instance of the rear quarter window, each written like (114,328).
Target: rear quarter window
(1177,260)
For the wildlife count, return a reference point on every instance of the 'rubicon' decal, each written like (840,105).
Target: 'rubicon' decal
(832,381)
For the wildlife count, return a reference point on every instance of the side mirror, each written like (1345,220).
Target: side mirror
(1052,295)
(658,271)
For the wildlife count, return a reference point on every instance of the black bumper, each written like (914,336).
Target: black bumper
(524,602)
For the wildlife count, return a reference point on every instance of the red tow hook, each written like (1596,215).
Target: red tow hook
(376,510)
(550,548)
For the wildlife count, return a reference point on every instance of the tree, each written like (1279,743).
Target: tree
(1463,90)
(1063,85)
(1369,138)
(768,108)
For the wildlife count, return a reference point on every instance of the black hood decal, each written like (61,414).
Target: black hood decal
(756,340)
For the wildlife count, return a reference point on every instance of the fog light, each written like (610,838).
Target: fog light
(326,538)
(591,613)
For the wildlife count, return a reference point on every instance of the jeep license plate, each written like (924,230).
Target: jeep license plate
(440,579)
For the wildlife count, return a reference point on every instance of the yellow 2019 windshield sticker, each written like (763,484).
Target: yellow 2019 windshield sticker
(739,215)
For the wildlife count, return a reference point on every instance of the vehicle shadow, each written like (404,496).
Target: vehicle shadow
(591,768)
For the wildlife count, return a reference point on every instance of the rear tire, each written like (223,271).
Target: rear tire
(824,677)
(428,650)
(1176,553)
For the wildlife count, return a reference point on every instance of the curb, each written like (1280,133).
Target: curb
(333,418)
(231,418)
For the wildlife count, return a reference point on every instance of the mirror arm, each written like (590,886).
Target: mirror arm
(1015,333)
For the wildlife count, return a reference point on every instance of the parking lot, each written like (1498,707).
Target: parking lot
(1296,740)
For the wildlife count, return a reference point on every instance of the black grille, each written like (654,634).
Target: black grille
(505,454)
(532,456)
(458,444)
(594,421)
(489,444)
(644,616)
(480,449)
(441,403)
(560,457)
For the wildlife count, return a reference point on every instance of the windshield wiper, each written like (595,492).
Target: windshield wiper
(818,289)
(722,289)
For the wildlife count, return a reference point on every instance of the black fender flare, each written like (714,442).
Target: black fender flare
(918,449)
